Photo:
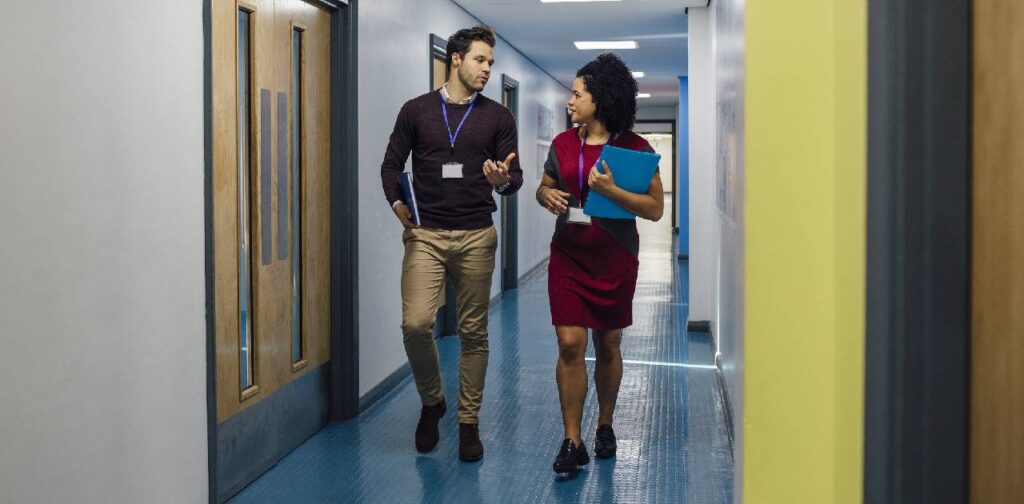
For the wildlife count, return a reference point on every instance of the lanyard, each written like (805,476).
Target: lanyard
(582,143)
(444,110)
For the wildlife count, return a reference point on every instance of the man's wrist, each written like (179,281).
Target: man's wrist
(503,186)
(396,203)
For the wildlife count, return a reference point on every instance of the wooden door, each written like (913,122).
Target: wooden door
(271,150)
(997,269)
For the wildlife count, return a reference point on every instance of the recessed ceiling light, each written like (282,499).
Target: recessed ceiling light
(637,75)
(560,1)
(643,95)
(609,44)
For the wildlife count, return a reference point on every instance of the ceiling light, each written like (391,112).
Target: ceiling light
(560,1)
(610,44)
(643,95)
(637,75)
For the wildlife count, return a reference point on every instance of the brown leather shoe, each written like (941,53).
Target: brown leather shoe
(426,430)
(470,447)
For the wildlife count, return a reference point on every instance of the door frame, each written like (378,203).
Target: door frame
(917,338)
(342,371)
(675,168)
(510,208)
(446,318)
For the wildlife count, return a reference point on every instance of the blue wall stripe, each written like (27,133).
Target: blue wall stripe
(266,243)
(283,162)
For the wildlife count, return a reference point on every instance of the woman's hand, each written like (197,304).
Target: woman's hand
(557,202)
(603,183)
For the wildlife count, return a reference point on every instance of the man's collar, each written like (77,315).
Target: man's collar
(467,101)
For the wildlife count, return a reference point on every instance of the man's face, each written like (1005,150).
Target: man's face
(474,69)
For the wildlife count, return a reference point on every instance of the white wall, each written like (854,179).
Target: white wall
(716,55)
(400,30)
(102,323)
(729,79)
(704,217)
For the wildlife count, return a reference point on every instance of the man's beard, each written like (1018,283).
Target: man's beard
(470,83)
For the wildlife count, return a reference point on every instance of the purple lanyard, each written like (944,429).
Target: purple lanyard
(583,142)
(444,110)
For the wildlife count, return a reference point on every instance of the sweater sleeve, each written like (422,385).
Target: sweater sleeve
(399,147)
(506,143)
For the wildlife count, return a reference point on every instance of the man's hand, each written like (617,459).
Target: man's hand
(497,173)
(557,202)
(404,215)
(602,183)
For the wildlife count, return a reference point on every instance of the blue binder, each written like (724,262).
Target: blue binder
(633,171)
(409,196)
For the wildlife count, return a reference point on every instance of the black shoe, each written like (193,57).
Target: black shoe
(604,442)
(426,431)
(570,457)
(470,447)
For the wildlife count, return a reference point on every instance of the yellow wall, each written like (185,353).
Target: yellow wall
(806,108)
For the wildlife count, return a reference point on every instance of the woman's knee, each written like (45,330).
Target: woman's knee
(606,347)
(571,348)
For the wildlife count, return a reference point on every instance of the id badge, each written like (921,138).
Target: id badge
(451,170)
(576,216)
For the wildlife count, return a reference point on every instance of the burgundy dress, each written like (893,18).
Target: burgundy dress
(593,268)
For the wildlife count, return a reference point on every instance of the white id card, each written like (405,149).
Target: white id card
(576,216)
(451,170)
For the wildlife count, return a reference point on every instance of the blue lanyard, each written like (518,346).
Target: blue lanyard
(444,110)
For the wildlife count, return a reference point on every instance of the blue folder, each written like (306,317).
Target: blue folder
(409,196)
(633,171)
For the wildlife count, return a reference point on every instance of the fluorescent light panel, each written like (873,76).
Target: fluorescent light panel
(643,95)
(638,75)
(608,44)
(562,1)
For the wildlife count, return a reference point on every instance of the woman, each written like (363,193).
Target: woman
(593,267)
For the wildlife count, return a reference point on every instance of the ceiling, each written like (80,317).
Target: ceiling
(545,32)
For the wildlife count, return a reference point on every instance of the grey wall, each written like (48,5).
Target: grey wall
(666,113)
(103,367)
(400,29)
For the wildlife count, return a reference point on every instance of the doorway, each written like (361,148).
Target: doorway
(510,204)
(274,285)
(661,134)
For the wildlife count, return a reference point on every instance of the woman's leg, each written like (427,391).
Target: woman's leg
(607,372)
(571,375)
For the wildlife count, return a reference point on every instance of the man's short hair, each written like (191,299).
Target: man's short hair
(459,42)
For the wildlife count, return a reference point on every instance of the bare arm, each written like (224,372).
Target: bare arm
(548,195)
(650,206)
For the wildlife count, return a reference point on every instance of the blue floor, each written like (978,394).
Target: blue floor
(673,443)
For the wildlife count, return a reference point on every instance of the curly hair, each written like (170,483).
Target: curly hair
(460,41)
(609,81)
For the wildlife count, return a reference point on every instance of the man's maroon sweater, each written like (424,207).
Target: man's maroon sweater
(488,133)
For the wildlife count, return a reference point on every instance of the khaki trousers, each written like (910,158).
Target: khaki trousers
(468,258)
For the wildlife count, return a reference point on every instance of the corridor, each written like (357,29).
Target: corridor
(674,445)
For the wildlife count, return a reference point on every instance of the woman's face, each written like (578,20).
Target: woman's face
(581,105)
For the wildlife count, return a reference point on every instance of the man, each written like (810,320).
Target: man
(463,147)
